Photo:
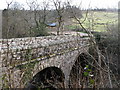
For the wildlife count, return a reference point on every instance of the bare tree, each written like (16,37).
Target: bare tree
(40,16)
(59,7)
(9,3)
(16,6)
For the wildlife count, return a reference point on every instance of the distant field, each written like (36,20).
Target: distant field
(98,20)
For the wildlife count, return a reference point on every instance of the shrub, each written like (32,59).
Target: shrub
(108,43)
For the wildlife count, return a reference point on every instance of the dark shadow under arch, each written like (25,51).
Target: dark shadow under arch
(50,77)
(76,74)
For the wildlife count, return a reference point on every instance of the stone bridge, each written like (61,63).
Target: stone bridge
(30,61)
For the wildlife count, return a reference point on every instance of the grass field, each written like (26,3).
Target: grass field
(98,20)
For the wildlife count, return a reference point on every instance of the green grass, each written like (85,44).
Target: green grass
(71,27)
(99,19)
(96,20)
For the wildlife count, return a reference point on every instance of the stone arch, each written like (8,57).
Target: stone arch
(50,77)
(76,73)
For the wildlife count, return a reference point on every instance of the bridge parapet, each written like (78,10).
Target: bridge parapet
(32,42)
(24,49)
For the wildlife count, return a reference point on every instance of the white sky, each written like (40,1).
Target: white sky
(85,3)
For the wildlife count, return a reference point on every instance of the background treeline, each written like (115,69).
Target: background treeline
(18,22)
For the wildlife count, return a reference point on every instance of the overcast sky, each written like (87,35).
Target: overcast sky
(85,3)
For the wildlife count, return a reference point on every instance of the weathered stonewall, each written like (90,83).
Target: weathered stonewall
(22,58)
